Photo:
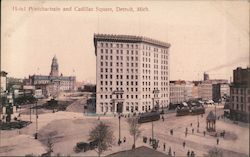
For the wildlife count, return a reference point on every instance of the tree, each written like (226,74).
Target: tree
(134,128)
(214,152)
(103,134)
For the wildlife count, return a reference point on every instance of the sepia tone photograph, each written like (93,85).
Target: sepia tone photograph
(125,78)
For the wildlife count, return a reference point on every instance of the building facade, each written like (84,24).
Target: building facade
(3,81)
(220,91)
(52,84)
(177,92)
(129,71)
(188,91)
(205,90)
(240,95)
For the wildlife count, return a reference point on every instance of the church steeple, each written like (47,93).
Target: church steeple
(54,67)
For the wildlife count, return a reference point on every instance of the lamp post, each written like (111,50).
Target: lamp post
(155,92)
(119,109)
(215,116)
(30,112)
(36,122)
(119,140)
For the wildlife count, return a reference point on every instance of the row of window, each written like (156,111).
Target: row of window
(118,96)
(240,99)
(106,57)
(119,63)
(238,91)
(110,51)
(119,76)
(132,83)
(242,107)
(118,70)
(119,45)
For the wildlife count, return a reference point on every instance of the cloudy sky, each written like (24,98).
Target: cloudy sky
(211,36)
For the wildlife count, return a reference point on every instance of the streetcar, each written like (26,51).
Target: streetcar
(149,117)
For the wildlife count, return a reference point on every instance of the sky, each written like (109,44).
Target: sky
(205,36)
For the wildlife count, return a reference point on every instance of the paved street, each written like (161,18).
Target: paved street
(68,128)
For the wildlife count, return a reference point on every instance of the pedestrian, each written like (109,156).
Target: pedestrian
(150,140)
(124,139)
(188,153)
(184,144)
(204,132)
(217,141)
(169,151)
(191,124)
(174,153)
(164,146)
(192,153)
(193,131)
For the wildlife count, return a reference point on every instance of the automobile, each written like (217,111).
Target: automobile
(82,146)
(93,144)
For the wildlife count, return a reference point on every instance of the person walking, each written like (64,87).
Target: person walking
(184,144)
(217,141)
(192,153)
(164,146)
(193,131)
(188,153)
(204,132)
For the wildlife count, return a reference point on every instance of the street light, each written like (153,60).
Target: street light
(119,109)
(155,92)
(119,140)
(36,122)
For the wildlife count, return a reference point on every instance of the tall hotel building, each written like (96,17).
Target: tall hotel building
(132,73)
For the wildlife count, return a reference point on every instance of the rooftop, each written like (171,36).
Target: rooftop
(129,38)
(142,151)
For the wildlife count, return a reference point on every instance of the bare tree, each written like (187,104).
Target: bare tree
(103,135)
(134,128)
(214,152)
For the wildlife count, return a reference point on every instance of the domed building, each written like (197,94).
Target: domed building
(53,83)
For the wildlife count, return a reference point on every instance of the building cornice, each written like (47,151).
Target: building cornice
(129,38)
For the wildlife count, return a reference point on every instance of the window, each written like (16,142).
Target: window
(127,108)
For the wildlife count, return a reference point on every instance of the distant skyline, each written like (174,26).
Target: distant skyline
(205,36)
